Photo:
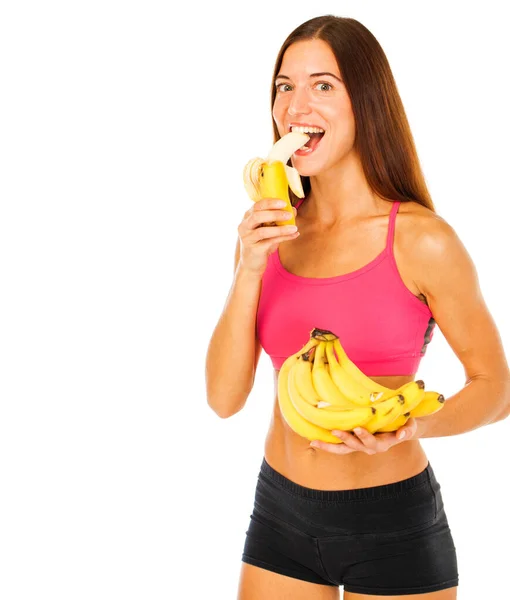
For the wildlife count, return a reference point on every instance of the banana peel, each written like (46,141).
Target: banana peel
(271,177)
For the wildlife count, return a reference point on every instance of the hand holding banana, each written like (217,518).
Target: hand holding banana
(271,177)
(271,219)
(324,397)
(363,441)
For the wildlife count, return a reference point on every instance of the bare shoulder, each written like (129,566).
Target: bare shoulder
(422,231)
(428,249)
(412,214)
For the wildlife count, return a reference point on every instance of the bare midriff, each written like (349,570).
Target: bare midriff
(292,456)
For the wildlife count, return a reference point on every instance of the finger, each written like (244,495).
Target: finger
(295,210)
(385,440)
(270,210)
(264,233)
(353,442)
(407,431)
(367,439)
(269,204)
(268,216)
(412,425)
(401,435)
(271,245)
(262,220)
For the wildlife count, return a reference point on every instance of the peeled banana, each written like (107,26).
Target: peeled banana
(321,390)
(272,177)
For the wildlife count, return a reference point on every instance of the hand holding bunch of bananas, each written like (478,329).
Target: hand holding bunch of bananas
(320,390)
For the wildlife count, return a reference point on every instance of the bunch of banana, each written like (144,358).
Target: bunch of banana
(320,389)
(271,177)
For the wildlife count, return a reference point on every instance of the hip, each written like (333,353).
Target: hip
(391,539)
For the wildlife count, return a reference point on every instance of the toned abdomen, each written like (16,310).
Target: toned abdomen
(291,455)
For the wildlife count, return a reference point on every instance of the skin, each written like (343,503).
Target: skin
(343,226)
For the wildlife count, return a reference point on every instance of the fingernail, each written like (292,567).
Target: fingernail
(314,444)
(401,435)
(358,430)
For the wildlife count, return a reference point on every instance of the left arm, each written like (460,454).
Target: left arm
(447,277)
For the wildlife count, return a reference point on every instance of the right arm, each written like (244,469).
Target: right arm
(234,349)
(234,353)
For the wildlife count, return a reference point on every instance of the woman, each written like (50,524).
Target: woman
(366,513)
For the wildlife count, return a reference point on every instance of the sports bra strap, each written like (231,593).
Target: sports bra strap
(391,227)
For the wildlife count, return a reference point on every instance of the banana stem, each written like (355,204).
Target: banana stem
(324,335)
(308,355)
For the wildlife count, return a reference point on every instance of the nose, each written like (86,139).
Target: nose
(299,104)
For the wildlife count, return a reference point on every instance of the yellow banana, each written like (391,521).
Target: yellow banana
(302,370)
(357,387)
(413,393)
(432,402)
(271,177)
(396,424)
(357,392)
(354,373)
(387,411)
(323,384)
(312,402)
(274,184)
(291,416)
(349,387)
(338,419)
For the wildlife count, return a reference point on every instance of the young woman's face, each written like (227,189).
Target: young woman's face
(309,92)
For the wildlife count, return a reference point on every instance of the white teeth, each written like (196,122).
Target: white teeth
(307,129)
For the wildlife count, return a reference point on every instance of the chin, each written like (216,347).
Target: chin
(307,170)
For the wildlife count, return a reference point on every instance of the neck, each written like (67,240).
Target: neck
(342,193)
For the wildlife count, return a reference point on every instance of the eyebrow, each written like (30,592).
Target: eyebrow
(313,75)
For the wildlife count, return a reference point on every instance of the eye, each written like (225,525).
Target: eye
(322,84)
(280,85)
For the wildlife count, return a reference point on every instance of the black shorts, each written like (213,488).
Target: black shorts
(385,540)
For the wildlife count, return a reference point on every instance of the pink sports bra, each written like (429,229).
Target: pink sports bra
(383,327)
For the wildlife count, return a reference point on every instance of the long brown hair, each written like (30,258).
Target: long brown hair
(384,140)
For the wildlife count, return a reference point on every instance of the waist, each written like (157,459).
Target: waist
(293,457)
(387,490)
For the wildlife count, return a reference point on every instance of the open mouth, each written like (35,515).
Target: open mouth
(315,135)
(311,144)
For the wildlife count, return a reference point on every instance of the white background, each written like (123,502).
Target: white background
(124,131)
